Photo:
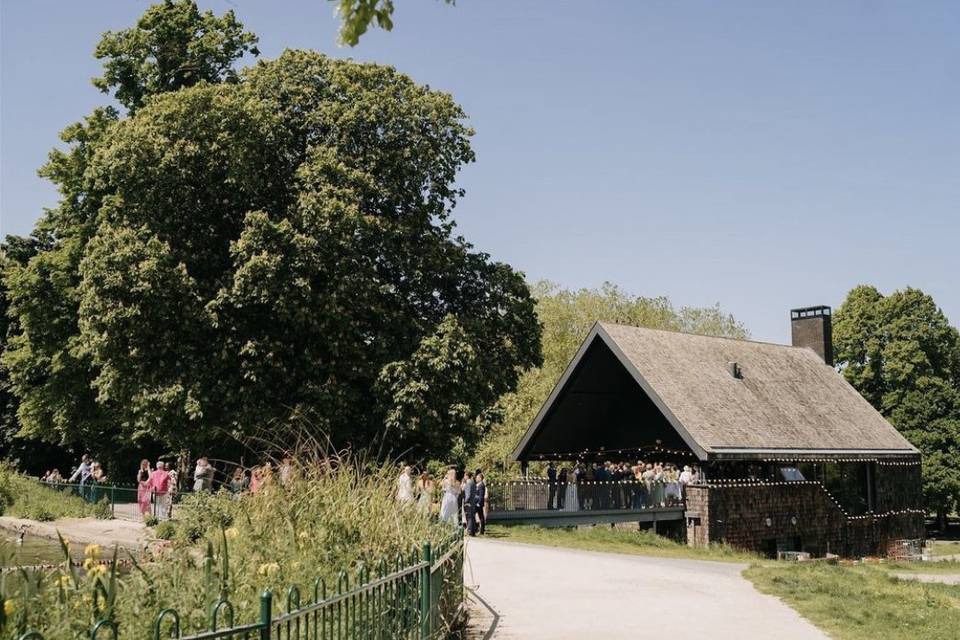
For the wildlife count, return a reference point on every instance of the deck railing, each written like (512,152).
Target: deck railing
(543,495)
(416,596)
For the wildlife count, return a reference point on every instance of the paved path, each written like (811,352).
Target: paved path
(944,578)
(552,593)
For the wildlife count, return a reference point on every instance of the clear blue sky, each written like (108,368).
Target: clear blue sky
(758,154)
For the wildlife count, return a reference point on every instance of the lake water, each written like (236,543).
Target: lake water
(33,550)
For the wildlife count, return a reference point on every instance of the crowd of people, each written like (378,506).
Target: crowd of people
(158,486)
(641,485)
(463,498)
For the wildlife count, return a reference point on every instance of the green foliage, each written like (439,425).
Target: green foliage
(357,16)
(166,530)
(102,510)
(567,318)
(263,248)
(199,512)
(901,353)
(150,520)
(173,46)
(331,516)
(862,603)
(24,497)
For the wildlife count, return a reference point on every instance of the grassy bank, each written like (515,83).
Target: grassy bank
(23,497)
(322,521)
(615,540)
(862,602)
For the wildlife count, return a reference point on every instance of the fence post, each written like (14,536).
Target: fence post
(426,608)
(113,501)
(266,618)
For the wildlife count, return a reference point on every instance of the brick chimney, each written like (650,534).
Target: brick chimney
(810,327)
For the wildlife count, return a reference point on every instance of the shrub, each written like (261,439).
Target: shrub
(102,510)
(150,520)
(165,530)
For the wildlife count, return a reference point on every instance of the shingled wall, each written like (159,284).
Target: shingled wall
(802,516)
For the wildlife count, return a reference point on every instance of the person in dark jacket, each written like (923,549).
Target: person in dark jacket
(481,502)
(551,484)
(470,503)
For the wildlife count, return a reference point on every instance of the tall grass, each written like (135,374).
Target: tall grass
(23,497)
(330,515)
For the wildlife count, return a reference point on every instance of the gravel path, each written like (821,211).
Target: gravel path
(533,592)
(944,578)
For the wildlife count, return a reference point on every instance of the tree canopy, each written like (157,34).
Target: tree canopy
(259,247)
(357,15)
(901,353)
(567,318)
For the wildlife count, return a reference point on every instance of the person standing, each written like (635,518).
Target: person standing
(160,486)
(82,474)
(405,487)
(203,476)
(425,486)
(239,481)
(470,503)
(144,494)
(561,488)
(451,494)
(481,502)
(551,485)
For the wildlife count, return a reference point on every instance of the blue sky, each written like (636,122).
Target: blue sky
(762,155)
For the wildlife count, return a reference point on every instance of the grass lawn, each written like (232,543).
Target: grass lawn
(614,540)
(945,547)
(862,602)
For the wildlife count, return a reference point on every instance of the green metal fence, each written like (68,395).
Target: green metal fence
(121,498)
(415,597)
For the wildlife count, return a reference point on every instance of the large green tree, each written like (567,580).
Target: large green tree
(567,318)
(264,247)
(903,355)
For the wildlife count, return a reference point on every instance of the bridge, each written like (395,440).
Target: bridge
(557,504)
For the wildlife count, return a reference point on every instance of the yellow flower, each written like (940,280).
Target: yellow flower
(99,570)
(303,535)
(65,581)
(9,607)
(268,568)
(88,563)
(92,551)
(232,533)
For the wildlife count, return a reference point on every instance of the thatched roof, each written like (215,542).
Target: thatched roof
(787,400)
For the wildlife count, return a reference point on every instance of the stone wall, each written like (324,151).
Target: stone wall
(800,516)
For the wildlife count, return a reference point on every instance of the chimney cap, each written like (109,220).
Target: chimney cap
(810,312)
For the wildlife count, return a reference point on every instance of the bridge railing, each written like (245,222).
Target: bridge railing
(543,495)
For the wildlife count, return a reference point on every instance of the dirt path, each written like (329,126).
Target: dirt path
(531,592)
(125,533)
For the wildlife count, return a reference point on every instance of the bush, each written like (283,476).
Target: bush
(165,530)
(150,520)
(103,510)
(203,511)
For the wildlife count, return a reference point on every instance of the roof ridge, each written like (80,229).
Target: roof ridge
(702,335)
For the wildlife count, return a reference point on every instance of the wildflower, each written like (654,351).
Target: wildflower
(268,568)
(99,570)
(232,533)
(88,563)
(9,606)
(92,551)
(303,535)
(64,581)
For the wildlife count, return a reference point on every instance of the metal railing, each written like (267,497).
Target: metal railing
(543,495)
(417,596)
(123,500)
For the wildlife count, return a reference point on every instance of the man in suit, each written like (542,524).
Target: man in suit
(551,484)
(470,503)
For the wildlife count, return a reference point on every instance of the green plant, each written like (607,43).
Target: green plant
(165,530)
(150,520)
(331,515)
(24,497)
(103,510)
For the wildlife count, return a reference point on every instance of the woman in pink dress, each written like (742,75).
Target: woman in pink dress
(144,490)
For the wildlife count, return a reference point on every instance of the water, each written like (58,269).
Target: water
(33,550)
